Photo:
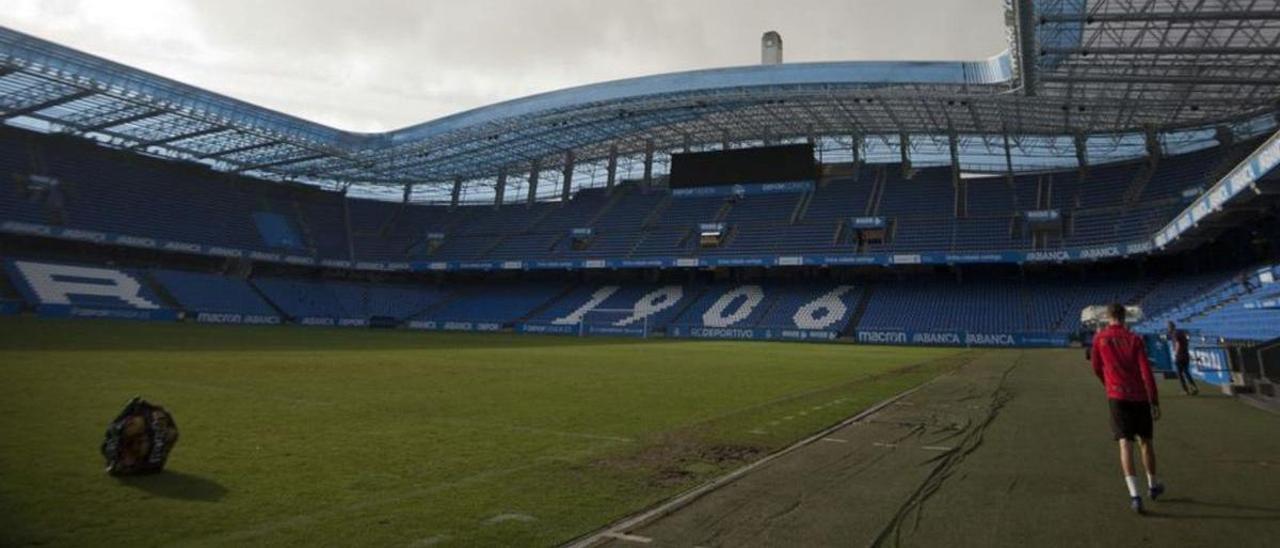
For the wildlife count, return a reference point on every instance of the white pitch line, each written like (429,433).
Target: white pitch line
(924,447)
(629,538)
(530,429)
(835,440)
(582,435)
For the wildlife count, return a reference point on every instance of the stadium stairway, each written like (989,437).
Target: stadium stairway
(864,300)
(688,302)
(261,295)
(168,300)
(558,299)
(1138,186)
(802,206)
(618,194)
(656,214)
(299,218)
(449,299)
(877,191)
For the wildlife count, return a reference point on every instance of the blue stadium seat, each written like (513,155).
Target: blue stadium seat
(199,292)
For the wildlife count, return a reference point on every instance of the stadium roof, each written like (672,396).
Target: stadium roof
(1074,69)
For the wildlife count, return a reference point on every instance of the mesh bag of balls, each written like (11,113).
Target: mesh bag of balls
(139,440)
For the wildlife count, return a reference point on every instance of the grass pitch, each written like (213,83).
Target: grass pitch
(316,436)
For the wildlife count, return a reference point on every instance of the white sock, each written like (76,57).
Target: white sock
(1152,481)
(1132,483)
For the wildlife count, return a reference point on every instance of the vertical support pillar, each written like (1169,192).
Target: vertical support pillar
(688,143)
(567,186)
(613,168)
(535,170)
(1224,135)
(726,142)
(500,190)
(456,196)
(856,144)
(1154,148)
(813,142)
(1082,161)
(408,191)
(1008,157)
(957,185)
(953,145)
(904,146)
(1082,153)
(648,163)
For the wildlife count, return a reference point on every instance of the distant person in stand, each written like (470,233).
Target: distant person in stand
(1182,358)
(1120,361)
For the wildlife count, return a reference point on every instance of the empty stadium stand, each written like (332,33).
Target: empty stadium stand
(71,184)
(210,297)
(1243,306)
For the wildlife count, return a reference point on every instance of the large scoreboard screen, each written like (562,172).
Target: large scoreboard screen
(776,164)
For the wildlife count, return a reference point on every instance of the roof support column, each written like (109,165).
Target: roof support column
(856,148)
(457,192)
(408,191)
(957,185)
(1224,135)
(813,142)
(500,189)
(726,143)
(648,163)
(535,168)
(567,186)
(904,146)
(612,169)
(1082,154)
(1154,148)
(1008,157)
(688,143)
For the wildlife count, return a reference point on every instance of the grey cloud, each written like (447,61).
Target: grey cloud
(373,66)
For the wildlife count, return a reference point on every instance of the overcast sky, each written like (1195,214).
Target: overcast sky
(376,65)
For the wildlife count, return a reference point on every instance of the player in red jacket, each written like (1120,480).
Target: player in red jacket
(1120,361)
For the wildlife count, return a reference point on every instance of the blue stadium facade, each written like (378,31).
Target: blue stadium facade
(968,203)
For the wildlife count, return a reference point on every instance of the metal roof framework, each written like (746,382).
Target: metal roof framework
(1099,71)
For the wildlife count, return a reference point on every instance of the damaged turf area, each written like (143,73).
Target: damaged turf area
(1011,449)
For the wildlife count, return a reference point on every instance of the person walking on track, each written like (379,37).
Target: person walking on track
(1120,361)
(1182,358)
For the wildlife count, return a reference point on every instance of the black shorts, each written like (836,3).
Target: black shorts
(1130,419)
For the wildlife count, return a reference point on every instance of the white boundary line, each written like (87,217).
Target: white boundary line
(614,530)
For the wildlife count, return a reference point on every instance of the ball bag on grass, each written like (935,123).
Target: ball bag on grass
(139,439)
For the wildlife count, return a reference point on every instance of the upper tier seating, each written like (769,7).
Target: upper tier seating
(97,189)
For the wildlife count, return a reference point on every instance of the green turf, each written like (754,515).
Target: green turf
(318,436)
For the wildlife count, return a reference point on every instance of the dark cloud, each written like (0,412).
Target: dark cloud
(374,66)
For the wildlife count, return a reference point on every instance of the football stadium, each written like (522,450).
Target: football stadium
(840,303)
